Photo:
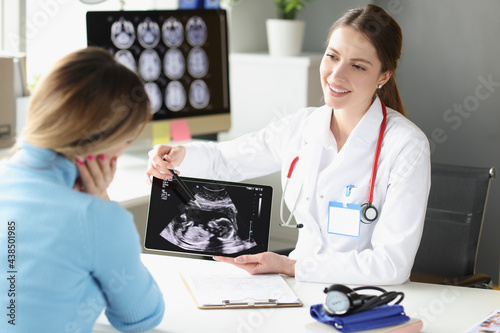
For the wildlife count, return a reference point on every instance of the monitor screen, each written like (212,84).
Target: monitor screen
(181,55)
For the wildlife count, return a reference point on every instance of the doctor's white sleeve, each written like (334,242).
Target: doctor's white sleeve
(395,238)
(251,155)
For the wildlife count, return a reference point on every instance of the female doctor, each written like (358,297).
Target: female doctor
(357,171)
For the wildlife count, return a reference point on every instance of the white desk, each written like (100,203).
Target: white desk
(443,309)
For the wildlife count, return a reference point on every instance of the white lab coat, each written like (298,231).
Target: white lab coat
(384,251)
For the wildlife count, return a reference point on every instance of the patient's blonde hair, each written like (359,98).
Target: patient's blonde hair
(87,103)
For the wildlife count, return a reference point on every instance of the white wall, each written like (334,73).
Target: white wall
(247,21)
(319,16)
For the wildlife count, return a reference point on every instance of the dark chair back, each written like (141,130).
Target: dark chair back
(453,222)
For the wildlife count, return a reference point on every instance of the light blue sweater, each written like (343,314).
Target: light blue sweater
(66,255)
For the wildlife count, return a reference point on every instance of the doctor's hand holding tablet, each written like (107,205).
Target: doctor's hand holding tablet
(355,171)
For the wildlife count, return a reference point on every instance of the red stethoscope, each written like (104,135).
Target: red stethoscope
(368,212)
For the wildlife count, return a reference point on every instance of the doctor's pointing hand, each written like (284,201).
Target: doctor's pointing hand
(355,171)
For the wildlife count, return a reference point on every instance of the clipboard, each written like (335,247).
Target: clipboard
(239,290)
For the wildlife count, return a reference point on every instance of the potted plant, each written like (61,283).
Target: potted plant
(285,34)
(288,9)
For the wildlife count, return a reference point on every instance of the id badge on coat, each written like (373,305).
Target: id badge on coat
(344,219)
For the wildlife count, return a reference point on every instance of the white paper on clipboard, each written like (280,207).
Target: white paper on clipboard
(239,289)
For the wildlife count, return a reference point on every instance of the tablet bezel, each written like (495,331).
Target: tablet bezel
(152,238)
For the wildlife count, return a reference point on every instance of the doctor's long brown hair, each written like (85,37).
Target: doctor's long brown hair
(385,35)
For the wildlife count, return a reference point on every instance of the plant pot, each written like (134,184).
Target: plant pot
(285,37)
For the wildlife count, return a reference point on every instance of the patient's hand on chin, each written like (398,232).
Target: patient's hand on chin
(261,263)
(96,174)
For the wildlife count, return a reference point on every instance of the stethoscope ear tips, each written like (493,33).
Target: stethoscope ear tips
(368,213)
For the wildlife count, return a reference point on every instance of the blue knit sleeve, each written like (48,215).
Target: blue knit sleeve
(134,301)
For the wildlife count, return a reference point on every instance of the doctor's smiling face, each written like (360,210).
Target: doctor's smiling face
(350,71)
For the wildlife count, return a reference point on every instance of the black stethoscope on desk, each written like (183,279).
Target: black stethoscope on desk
(368,211)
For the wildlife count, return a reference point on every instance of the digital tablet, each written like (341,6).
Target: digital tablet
(229,218)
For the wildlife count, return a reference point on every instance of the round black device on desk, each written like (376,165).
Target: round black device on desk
(341,300)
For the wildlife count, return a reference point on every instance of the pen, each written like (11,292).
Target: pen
(184,186)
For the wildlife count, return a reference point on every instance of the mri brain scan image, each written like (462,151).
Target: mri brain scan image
(199,95)
(154,95)
(197,62)
(173,64)
(214,227)
(122,33)
(126,58)
(173,32)
(148,33)
(149,65)
(175,96)
(196,31)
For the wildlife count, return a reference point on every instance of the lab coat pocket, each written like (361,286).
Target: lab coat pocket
(355,194)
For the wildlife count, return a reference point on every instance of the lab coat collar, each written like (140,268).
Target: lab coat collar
(366,131)
(368,128)
(317,127)
(47,159)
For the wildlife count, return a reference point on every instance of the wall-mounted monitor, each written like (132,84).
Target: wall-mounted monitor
(182,56)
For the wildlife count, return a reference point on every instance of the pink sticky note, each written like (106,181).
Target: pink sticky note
(179,130)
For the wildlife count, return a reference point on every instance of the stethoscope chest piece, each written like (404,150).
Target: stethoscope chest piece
(368,213)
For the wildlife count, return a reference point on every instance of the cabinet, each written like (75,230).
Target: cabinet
(265,88)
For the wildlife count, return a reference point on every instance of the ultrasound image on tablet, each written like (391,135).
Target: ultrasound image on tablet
(230,219)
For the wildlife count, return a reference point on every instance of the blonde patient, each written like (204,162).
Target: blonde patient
(77,253)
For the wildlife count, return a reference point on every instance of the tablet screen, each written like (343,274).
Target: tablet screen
(231,219)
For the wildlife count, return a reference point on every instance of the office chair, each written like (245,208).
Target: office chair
(452,230)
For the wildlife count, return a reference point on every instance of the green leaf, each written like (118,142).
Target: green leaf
(292,5)
(288,9)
